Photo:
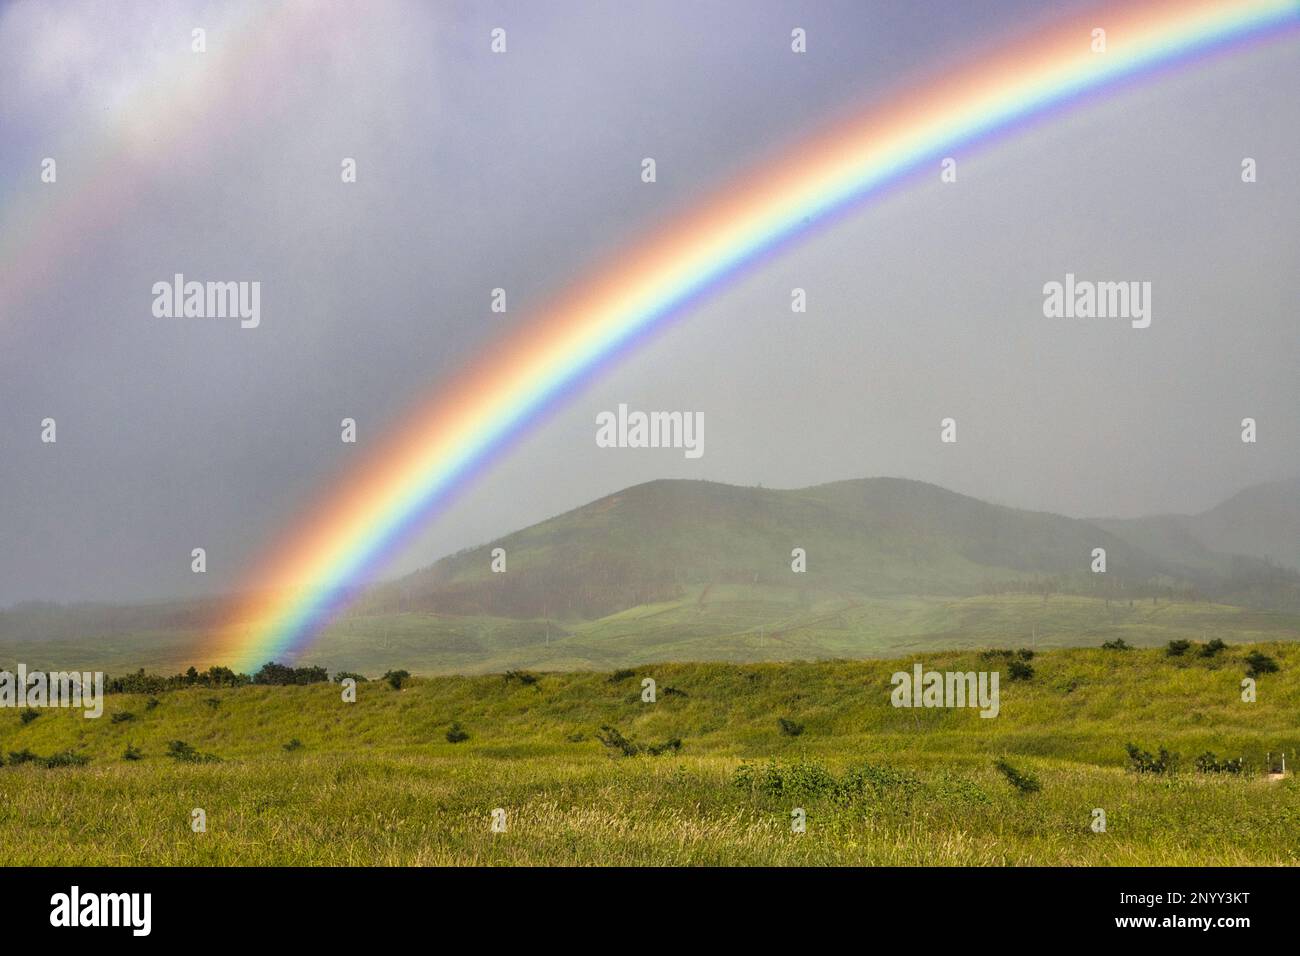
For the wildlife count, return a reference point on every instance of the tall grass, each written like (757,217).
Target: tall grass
(377,782)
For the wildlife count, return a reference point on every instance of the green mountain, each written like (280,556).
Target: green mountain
(874,537)
(694,570)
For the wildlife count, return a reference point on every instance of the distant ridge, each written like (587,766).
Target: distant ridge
(700,570)
(871,537)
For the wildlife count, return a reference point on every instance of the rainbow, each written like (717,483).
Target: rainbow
(346,537)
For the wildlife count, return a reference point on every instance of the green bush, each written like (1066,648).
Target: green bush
(1022,780)
(611,738)
(1213,648)
(1259,663)
(122,716)
(789,727)
(292,745)
(132,752)
(28,714)
(182,752)
(66,758)
(397,678)
(1119,644)
(1177,648)
(456,733)
(1142,761)
(283,675)
(1019,670)
(1209,763)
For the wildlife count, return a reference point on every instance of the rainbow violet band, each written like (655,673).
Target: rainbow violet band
(348,535)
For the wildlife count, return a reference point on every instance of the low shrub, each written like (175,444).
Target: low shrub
(1209,763)
(789,727)
(1022,780)
(1141,761)
(611,738)
(1258,663)
(1020,670)
(182,752)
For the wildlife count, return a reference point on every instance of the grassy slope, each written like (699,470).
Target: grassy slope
(377,783)
(875,537)
(733,623)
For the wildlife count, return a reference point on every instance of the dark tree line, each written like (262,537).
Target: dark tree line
(270,673)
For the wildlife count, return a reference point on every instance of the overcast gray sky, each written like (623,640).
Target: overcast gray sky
(520,171)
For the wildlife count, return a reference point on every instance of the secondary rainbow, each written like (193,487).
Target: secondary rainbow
(343,539)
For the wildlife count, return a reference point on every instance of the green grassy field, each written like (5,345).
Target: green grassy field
(377,782)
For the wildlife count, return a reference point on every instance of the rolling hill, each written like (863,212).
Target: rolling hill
(1262,522)
(695,570)
(875,537)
